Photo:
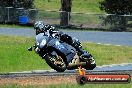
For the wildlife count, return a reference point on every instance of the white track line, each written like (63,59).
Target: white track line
(112,65)
(107,44)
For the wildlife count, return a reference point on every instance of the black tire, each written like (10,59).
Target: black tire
(89,65)
(52,65)
(81,79)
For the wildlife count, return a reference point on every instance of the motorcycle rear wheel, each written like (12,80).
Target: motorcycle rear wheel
(52,62)
(90,65)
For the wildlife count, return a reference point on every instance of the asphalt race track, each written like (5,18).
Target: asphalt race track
(107,38)
(126,67)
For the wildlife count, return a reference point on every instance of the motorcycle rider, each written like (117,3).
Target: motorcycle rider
(49,30)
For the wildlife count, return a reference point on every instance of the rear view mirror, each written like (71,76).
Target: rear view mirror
(30,49)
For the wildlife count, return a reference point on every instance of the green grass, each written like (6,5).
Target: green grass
(91,6)
(85,19)
(15,57)
(70,86)
(109,54)
(90,86)
(87,6)
(83,6)
(54,18)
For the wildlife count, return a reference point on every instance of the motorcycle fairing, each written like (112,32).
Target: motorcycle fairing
(40,37)
(64,48)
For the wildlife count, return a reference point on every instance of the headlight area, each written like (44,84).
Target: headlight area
(43,43)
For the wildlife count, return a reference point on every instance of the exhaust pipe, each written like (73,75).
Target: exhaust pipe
(74,66)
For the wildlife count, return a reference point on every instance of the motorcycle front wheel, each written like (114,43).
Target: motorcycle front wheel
(56,62)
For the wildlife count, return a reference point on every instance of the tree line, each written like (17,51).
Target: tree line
(17,3)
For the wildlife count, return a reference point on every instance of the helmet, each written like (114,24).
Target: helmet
(39,26)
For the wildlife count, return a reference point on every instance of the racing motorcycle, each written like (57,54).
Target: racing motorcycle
(59,55)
